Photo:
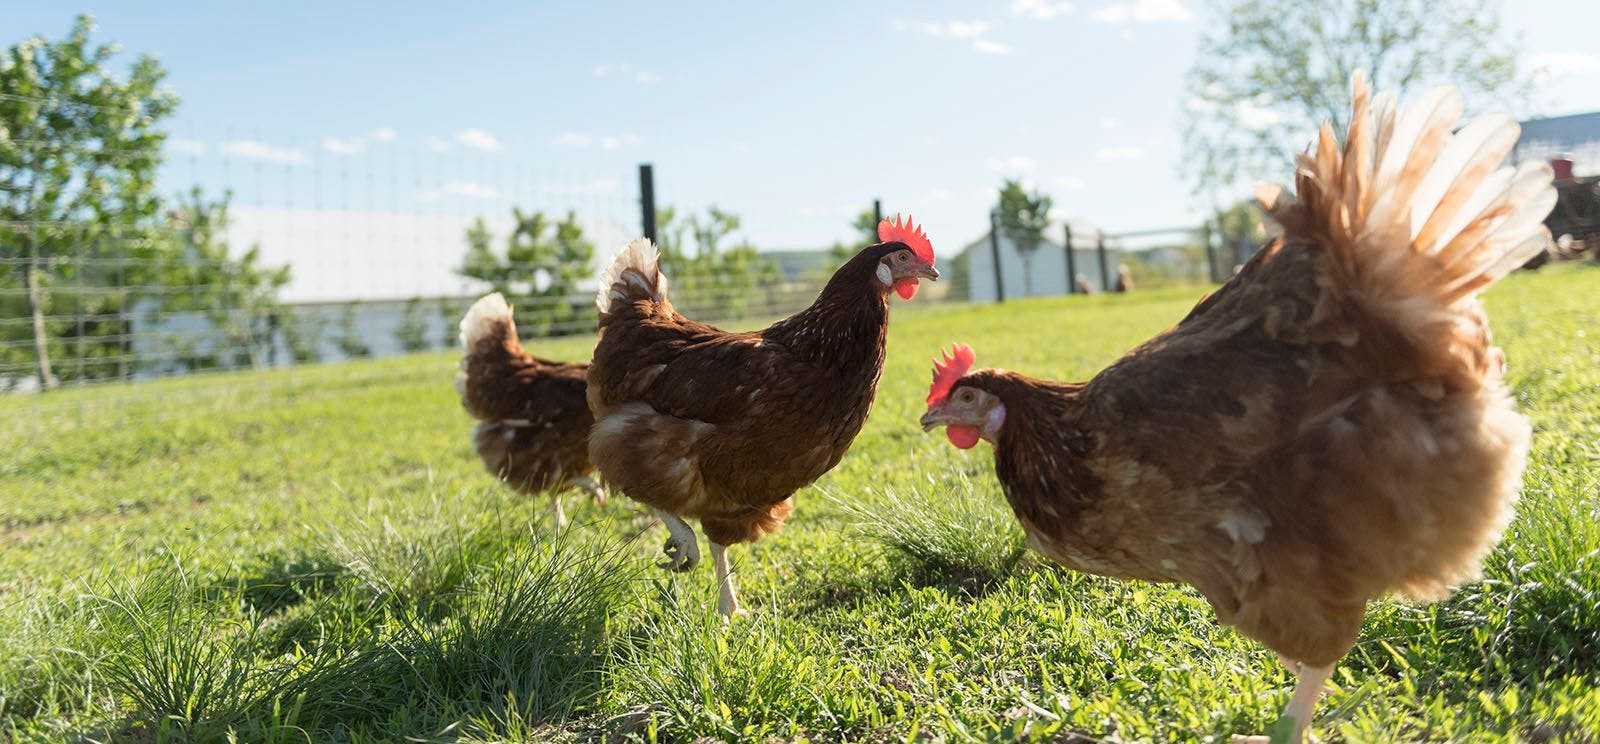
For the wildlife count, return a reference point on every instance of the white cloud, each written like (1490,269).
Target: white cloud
(352,146)
(990,46)
(1011,164)
(1255,117)
(187,147)
(604,141)
(626,70)
(436,145)
(1070,183)
(947,29)
(597,187)
(1145,11)
(1042,10)
(573,139)
(1120,153)
(941,194)
(384,134)
(478,139)
(253,150)
(1563,64)
(1109,122)
(973,31)
(463,189)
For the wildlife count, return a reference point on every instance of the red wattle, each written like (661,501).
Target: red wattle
(962,436)
(906,288)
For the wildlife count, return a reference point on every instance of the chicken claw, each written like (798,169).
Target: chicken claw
(681,548)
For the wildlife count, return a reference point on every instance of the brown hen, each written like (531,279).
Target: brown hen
(1328,427)
(697,422)
(534,420)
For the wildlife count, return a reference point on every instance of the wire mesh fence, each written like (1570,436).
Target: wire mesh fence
(271,253)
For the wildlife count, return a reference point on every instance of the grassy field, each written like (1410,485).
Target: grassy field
(318,555)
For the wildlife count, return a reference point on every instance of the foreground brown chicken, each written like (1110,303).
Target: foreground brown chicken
(1328,427)
(697,422)
(534,419)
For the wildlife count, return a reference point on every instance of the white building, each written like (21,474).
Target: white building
(1046,270)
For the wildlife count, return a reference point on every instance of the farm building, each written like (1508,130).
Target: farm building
(1572,145)
(1046,271)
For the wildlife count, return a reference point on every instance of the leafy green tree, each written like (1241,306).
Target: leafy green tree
(1024,216)
(712,280)
(302,334)
(412,333)
(1267,73)
(865,225)
(538,264)
(79,148)
(236,295)
(351,342)
(450,313)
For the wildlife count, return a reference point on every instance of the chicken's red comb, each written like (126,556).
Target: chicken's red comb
(908,233)
(956,363)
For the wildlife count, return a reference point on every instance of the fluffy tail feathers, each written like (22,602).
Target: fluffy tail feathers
(634,275)
(1417,217)
(489,317)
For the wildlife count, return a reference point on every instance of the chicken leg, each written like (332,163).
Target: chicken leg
(1301,705)
(682,547)
(595,490)
(727,590)
(561,513)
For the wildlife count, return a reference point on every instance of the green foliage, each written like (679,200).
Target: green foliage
(1268,74)
(412,332)
(714,281)
(541,266)
(79,148)
(351,340)
(865,226)
(450,314)
(302,334)
(1024,216)
(236,295)
(427,602)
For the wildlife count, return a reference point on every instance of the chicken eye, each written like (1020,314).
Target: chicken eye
(965,396)
(900,257)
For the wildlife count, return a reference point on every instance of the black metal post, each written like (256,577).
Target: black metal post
(1105,270)
(1072,262)
(647,200)
(994,251)
(877,211)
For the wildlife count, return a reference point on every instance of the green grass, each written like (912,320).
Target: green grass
(317,554)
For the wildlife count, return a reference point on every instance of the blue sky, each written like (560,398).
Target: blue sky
(793,115)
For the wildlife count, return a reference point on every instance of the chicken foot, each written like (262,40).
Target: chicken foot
(682,548)
(1302,705)
(594,489)
(727,590)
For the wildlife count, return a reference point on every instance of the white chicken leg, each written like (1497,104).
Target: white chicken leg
(727,590)
(1302,705)
(682,547)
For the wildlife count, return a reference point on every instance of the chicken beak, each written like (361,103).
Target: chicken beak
(928,272)
(933,419)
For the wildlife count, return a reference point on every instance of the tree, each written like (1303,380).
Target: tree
(1268,74)
(79,149)
(712,281)
(865,225)
(1023,218)
(412,332)
(302,334)
(237,295)
(351,341)
(539,265)
(450,313)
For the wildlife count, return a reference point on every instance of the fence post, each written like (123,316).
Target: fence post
(1072,261)
(877,212)
(1105,270)
(647,200)
(1210,237)
(994,252)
